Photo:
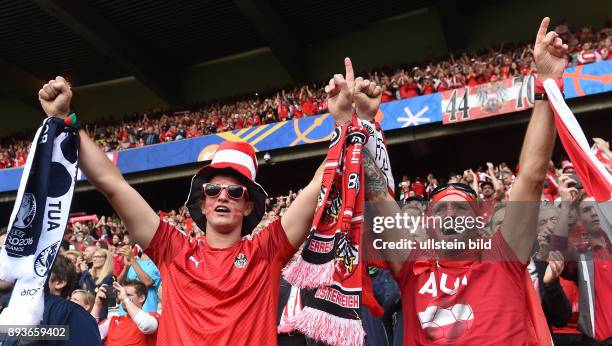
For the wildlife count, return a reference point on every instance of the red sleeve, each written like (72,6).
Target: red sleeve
(166,242)
(273,242)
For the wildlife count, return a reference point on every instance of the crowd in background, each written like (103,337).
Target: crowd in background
(99,265)
(103,256)
(586,45)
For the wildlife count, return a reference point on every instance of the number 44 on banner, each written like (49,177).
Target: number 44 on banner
(486,100)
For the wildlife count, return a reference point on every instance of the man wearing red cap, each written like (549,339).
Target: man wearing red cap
(222,288)
(481,296)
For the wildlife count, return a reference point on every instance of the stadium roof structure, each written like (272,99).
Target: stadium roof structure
(154,40)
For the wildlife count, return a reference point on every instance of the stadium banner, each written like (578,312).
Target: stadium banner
(516,94)
(83,218)
(508,96)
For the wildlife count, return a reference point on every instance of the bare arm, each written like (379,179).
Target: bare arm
(140,219)
(475,186)
(298,218)
(142,275)
(382,204)
(146,323)
(497,185)
(520,224)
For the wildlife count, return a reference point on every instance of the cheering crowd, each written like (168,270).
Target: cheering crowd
(210,272)
(585,45)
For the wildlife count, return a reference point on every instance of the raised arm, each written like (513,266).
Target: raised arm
(298,218)
(139,218)
(497,185)
(146,323)
(520,224)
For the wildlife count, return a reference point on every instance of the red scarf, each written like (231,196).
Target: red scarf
(331,260)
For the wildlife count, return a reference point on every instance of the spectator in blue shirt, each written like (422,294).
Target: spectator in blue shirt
(144,270)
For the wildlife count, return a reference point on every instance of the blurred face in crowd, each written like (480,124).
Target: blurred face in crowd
(507,178)
(80,297)
(115,239)
(72,257)
(98,259)
(127,240)
(89,253)
(138,300)
(587,215)
(496,221)
(547,220)
(487,190)
(223,213)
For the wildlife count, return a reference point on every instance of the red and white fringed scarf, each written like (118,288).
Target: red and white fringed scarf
(291,309)
(596,180)
(331,259)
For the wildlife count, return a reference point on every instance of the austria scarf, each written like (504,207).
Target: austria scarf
(331,260)
(39,218)
(593,174)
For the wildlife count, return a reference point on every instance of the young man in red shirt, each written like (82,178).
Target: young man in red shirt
(135,328)
(221,289)
(481,298)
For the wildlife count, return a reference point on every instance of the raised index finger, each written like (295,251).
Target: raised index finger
(348,67)
(543,29)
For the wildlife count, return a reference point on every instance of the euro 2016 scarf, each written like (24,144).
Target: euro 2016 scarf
(331,259)
(39,218)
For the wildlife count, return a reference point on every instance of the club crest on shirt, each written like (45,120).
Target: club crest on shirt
(241,261)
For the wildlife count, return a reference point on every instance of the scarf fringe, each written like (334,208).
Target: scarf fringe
(330,329)
(304,274)
(284,326)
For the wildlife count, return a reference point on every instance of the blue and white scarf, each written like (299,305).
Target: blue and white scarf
(39,218)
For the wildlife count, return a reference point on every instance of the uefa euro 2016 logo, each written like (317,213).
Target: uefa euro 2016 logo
(26,212)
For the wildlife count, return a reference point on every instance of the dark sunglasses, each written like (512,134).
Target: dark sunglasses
(458,186)
(233,191)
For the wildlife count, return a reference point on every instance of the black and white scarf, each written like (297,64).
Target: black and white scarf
(39,218)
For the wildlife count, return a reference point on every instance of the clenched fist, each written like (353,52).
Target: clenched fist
(55,97)
(367,98)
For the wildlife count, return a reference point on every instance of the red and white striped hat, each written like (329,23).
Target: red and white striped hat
(236,159)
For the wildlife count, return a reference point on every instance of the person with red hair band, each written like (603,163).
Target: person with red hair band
(481,296)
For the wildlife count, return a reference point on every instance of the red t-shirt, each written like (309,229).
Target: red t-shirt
(122,331)
(482,303)
(283,111)
(219,296)
(386,97)
(418,188)
(602,264)
(408,90)
(309,107)
(20,160)
(118,264)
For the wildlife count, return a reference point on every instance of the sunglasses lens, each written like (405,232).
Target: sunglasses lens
(212,190)
(235,191)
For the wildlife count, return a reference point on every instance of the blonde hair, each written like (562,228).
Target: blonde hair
(74,253)
(106,270)
(89,298)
